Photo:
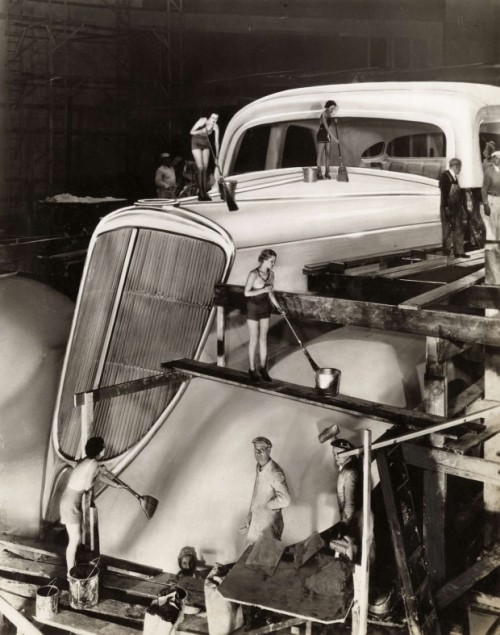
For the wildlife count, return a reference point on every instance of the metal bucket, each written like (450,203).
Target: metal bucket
(328,381)
(310,175)
(83,586)
(47,602)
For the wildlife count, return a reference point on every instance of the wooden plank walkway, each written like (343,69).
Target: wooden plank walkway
(412,419)
(26,564)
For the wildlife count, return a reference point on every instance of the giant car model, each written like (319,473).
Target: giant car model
(147,297)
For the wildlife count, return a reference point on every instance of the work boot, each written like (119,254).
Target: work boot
(320,175)
(253,374)
(327,176)
(265,375)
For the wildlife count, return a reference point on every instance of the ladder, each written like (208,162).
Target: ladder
(408,547)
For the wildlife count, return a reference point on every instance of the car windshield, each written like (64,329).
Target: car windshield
(399,146)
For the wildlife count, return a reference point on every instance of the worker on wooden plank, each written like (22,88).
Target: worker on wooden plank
(258,292)
(270,495)
(349,529)
(204,139)
(165,179)
(81,480)
(490,193)
(453,211)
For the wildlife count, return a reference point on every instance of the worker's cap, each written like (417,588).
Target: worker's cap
(342,444)
(165,155)
(263,440)
(496,153)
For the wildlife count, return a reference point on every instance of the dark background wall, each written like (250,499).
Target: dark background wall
(98,89)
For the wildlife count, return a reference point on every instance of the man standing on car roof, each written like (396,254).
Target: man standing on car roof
(453,213)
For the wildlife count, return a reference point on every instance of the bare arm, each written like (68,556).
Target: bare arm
(198,126)
(484,192)
(107,477)
(216,134)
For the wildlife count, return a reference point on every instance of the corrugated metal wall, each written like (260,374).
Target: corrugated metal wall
(162,312)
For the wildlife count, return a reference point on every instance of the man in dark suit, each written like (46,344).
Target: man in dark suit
(453,213)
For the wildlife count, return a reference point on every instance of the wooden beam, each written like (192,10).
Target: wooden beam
(472,440)
(81,624)
(458,586)
(483,296)
(403,271)
(435,378)
(129,387)
(87,420)
(304,394)
(461,402)
(461,327)
(492,391)
(22,624)
(485,601)
(370,289)
(446,462)
(434,295)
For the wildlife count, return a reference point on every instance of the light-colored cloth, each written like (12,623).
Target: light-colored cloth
(71,507)
(492,221)
(270,496)
(348,486)
(165,182)
(491,182)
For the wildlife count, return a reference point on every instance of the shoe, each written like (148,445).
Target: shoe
(265,375)
(462,256)
(253,374)
(327,176)
(320,176)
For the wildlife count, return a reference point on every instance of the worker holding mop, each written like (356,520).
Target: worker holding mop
(81,480)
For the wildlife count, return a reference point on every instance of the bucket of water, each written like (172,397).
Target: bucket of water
(47,601)
(328,381)
(310,175)
(83,586)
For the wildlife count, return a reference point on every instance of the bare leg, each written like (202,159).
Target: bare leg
(198,159)
(205,158)
(75,536)
(264,328)
(327,160)
(253,327)
(319,155)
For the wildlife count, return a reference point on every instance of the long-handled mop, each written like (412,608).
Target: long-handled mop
(327,380)
(228,197)
(148,503)
(342,172)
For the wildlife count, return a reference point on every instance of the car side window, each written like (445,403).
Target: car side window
(252,152)
(299,149)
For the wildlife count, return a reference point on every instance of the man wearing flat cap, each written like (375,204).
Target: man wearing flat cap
(165,180)
(270,495)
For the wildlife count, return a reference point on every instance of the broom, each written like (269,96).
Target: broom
(342,172)
(225,193)
(148,503)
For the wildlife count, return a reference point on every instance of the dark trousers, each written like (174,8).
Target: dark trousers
(453,230)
